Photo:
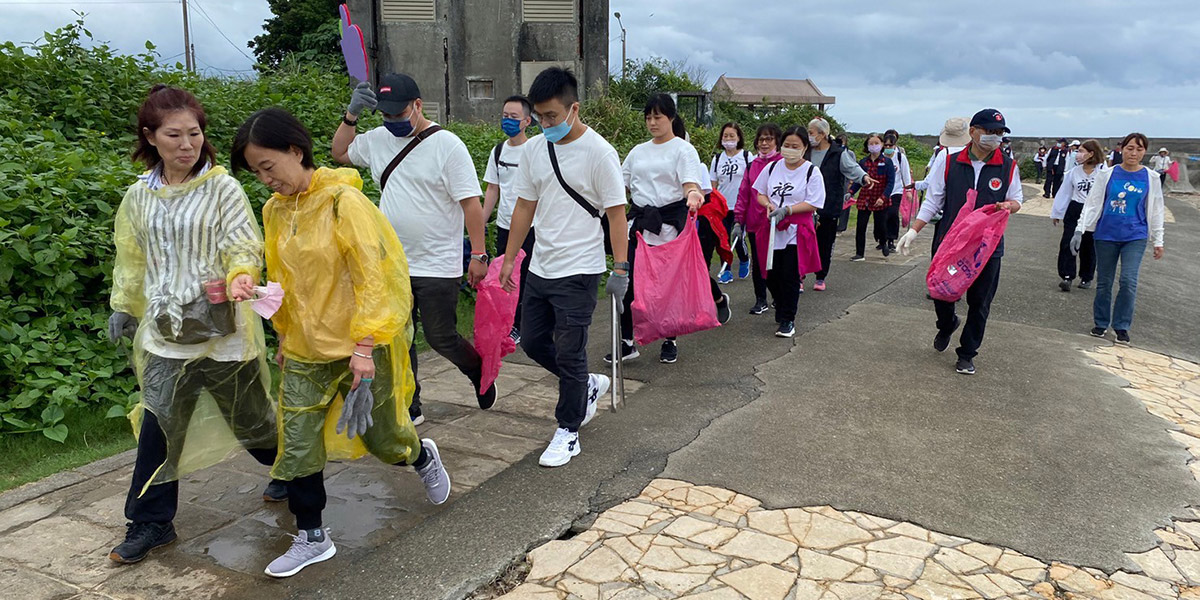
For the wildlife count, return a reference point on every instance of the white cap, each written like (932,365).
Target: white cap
(1075,143)
(1164,150)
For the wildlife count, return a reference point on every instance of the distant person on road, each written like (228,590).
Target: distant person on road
(995,178)
(747,216)
(1068,206)
(1056,168)
(1006,148)
(1115,157)
(726,172)
(188,253)
(789,191)
(1071,159)
(568,178)
(344,328)
(501,196)
(1161,163)
(903,181)
(1039,163)
(837,167)
(1124,208)
(873,198)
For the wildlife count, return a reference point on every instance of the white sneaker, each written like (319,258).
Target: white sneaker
(564,446)
(597,386)
(434,475)
(302,553)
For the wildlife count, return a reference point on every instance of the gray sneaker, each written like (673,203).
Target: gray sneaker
(434,475)
(302,553)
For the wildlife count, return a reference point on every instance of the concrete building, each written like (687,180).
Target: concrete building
(469,55)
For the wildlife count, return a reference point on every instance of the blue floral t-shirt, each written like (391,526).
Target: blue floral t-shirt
(1124,216)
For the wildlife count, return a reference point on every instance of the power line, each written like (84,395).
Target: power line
(226,70)
(204,13)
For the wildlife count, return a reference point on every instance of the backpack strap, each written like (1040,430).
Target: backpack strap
(496,153)
(576,196)
(387,173)
(746,157)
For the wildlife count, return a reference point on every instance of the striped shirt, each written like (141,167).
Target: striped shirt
(172,240)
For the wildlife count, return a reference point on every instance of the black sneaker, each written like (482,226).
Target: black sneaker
(759,307)
(880,246)
(857,258)
(941,341)
(140,539)
(887,251)
(1098,332)
(488,398)
(276,491)
(786,329)
(965,366)
(724,313)
(628,352)
(669,353)
(1122,337)
(515,336)
(892,246)
(414,413)
(1085,285)
(1065,285)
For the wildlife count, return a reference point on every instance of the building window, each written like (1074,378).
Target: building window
(408,10)
(481,89)
(548,11)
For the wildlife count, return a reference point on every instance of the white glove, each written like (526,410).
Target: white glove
(921,185)
(906,240)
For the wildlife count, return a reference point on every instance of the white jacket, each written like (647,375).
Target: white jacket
(1075,188)
(1160,163)
(1093,207)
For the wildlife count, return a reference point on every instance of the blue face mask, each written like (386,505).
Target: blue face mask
(511,127)
(558,132)
(889,152)
(399,127)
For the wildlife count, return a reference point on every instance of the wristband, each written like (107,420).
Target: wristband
(353,123)
(624,266)
(360,355)
(366,380)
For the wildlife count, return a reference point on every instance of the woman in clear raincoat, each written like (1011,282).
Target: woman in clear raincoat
(344,328)
(187,249)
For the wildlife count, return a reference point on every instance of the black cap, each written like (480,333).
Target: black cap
(395,91)
(989,119)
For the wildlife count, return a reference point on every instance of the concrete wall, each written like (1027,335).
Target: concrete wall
(486,40)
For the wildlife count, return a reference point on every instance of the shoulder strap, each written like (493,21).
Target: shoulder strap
(746,157)
(383,179)
(810,170)
(496,153)
(591,210)
(771,168)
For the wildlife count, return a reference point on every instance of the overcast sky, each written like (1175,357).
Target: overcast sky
(1069,68)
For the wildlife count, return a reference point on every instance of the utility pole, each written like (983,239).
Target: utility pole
(188,53)
(622,25)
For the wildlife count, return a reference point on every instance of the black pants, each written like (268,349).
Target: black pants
(1162,177)
(760,283)
(979,305)
(784,282)
(844,220)
(1040,171)
(240,397)
(558,313)
(306,495)
(1054,179)
(860,229)
(892,230)
(737,245)
(435,306)
(1087,249)
(501,248)
(827,228)
(627,315)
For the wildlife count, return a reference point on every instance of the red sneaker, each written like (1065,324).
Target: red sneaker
(819,285)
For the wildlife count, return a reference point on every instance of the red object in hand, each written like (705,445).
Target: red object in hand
(216,291)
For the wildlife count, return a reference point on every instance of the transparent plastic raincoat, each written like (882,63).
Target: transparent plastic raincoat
(201,366)
(345,278)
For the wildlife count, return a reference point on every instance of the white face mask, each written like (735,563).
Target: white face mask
(814,140)
(990,142)
(875,148)
(729,144)
(792,155)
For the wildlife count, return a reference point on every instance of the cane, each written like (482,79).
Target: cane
(618,377)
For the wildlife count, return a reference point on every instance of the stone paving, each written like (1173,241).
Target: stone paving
(57,532)
(678,540)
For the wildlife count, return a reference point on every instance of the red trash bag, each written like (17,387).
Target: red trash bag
(965,250)
(909,206)
(494,312)
(1173,172)
(672,295)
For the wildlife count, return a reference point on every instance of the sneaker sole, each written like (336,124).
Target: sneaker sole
(495,398)
(631,356)
(324,556)
(438,457)
(785,335)
(267,498)
(1123,343)
(591,410)
(964,372)
(666,361)
(419,420)
(728,310)
(117,558)
(1097,335)
(573,454)
(759,312)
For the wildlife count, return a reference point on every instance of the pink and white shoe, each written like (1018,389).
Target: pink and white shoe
(819,285)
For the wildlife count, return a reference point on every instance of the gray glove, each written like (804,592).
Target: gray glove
(779,214)
(356,411)
(616,287)
(361,99)
(1076,243)
(738,230)
(121,325)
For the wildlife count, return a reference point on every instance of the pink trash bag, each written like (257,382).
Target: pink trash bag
(965,250)
(672,295)
(909,206)
(1173,172)
(494,312)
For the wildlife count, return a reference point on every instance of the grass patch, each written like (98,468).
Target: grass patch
(31,456)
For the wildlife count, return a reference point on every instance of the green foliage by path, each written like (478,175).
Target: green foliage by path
(29,458)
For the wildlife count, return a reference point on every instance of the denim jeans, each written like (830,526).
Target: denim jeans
(1107,254)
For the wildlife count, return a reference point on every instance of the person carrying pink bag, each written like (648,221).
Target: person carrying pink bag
(993,176)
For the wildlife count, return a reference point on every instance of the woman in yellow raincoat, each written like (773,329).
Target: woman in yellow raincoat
(344,327)
(188,246)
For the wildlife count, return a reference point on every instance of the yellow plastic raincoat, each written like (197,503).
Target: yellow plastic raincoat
(345,278)
(201,367)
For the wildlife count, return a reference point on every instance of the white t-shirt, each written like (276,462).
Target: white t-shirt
(903,172)
(788,187)
(655,175)
(569,240)
(423,195)
(728,172)
(504,175)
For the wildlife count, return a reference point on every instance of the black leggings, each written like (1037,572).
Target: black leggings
(860,229)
